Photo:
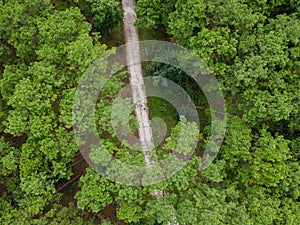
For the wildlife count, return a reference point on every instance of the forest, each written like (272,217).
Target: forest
(252,48)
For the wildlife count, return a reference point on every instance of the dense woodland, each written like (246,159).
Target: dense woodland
(253,48)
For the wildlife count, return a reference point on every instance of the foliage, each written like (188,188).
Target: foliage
(44,54)
(105,13)
(253,49)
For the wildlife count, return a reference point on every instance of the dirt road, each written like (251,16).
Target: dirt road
(136,81)
(138,88)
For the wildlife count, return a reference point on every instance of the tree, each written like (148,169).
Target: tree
(45,53)
(153,13)
(105,14)
(253,49)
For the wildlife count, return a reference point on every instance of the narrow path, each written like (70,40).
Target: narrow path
(138,88)
(136,81)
